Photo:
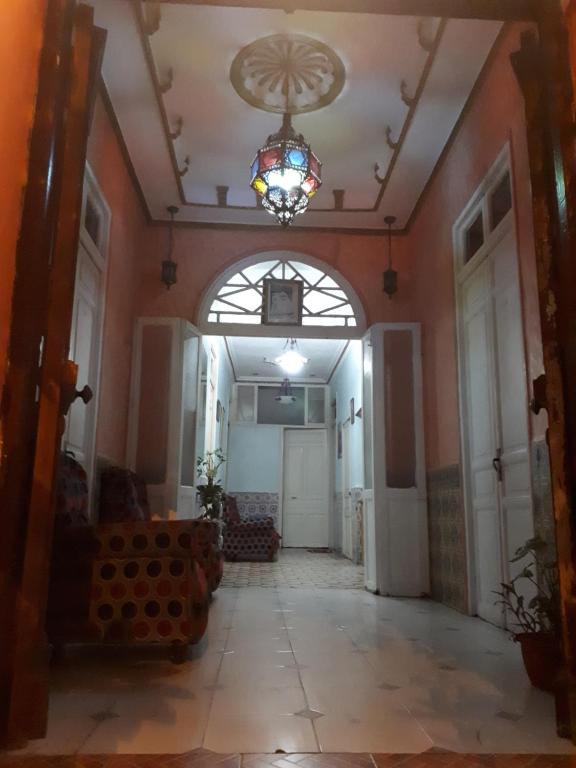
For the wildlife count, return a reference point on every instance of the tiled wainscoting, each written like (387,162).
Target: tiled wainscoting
(448,574)
(255,505)
(357,525)
(448,561)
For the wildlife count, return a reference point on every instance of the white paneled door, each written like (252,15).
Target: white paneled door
(495,420)
(305,507)
(85,351)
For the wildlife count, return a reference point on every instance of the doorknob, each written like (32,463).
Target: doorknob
(497,464)
(69,393)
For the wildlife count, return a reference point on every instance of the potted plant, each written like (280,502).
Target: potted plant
(209,488)
(537,618)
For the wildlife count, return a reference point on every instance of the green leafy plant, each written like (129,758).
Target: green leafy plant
(541,612)
(211,492)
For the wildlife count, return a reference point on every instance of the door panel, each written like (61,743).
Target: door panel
(305,508)
(496,411)
(515,485)
(84,349)
(481,421)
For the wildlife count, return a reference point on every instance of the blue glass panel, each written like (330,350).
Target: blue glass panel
(254,168)
(296,157)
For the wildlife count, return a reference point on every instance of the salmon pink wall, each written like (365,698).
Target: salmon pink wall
(127,235)
(21,32)
(202,254)
(496,117)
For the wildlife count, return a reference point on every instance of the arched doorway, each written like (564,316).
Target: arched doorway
(233,303)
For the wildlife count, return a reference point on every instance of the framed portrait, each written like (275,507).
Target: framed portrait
(352,411)
(339,441)
(282,303)
(219,411)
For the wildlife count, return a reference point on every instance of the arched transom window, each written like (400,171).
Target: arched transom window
(325,301)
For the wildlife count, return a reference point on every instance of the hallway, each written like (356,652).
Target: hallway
(307,670)
(297,568)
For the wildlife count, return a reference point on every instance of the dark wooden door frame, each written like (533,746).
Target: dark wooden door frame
(543,69)
(38,376)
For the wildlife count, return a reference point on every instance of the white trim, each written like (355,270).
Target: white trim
(99,254)
(380,494)
(308,331)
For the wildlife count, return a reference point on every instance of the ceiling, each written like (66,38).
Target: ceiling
(247,355)
(191,137)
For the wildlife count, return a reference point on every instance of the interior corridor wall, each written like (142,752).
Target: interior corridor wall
(202,254)
(494,117)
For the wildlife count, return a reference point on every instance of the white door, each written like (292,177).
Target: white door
(305,507)
(346,493)
(79,437)
(496,421)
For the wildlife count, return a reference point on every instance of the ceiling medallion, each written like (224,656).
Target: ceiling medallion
(287,73)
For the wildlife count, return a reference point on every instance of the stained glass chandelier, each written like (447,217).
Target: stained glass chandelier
(285,173)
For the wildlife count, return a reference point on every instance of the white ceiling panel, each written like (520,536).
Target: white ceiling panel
(438,65)
(248,357)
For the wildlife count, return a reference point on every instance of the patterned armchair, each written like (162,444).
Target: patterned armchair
(124,499)
(134,582)
(248,540)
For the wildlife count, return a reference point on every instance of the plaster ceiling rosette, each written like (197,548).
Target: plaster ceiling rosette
(288,73)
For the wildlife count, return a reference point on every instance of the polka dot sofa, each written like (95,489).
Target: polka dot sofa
(248,540)
(126,582)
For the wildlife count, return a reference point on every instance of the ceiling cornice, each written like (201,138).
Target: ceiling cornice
(496,10)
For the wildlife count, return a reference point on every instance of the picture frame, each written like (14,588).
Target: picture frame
(339,441)
(352,411)
(219,411)
(282,304)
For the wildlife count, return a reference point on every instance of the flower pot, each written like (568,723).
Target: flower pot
(542,658)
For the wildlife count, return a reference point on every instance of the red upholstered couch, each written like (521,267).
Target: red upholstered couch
(133,582)
(248,540)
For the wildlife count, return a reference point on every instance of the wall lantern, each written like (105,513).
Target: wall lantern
(169,266)
(390,276)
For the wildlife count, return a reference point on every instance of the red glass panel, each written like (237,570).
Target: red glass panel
(314,165)
(269,158)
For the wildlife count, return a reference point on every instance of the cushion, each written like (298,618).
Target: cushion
(231,513)
(119,497)
(71,493)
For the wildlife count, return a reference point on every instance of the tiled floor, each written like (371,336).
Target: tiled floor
(307,670)
(202,758)
(296,568)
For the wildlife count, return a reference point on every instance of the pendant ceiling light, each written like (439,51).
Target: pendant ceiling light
(390,275)
(168,275)
(285,396)
(285,173)
(291,361)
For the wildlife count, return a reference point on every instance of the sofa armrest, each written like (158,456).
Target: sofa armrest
(157,538)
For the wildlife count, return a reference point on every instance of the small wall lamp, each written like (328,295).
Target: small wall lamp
(390,276)
(169,266)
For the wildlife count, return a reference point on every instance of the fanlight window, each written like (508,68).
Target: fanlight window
(240,300)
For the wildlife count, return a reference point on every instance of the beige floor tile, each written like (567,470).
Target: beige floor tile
(260,734)
(394,733)
(232,703)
